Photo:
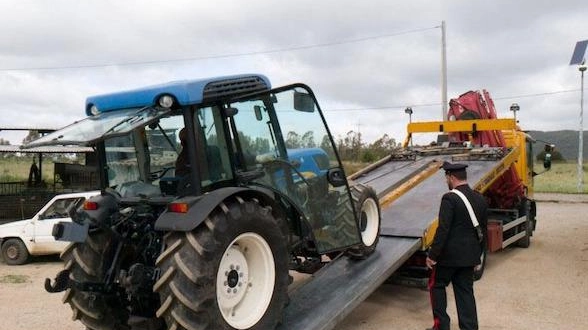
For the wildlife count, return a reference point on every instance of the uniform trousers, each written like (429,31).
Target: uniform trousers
(463,288)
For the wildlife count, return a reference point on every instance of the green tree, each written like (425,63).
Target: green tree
(260,145)
(379,148)
(32,135)
(293,140)
(307,140)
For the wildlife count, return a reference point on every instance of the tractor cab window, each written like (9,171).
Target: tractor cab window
(151,160)
(211,149)
(137,161)
(282,143)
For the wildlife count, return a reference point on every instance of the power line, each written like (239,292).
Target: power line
(201,58)
(438,103)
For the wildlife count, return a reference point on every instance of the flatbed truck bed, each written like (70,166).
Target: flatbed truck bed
(415,187)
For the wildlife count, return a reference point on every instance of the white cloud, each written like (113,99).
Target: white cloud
(510,48)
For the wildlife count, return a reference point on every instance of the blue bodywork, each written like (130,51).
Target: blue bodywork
(313,160)
(185,92)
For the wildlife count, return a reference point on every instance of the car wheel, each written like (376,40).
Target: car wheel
(15,252)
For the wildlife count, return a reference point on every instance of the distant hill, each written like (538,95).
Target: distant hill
(566,142)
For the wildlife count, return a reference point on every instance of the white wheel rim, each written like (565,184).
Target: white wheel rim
(369,209)
(245,280)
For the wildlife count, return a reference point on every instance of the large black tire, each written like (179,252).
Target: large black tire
(15,252)
(88,262)
(367,207)
(528,226)
(231,272)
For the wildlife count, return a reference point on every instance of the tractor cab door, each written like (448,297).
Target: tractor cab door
(283,143)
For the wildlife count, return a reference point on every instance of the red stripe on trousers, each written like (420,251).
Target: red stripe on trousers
(436,321)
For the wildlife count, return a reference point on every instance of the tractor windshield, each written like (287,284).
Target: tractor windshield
(285,145)
(92,129)
(136,162)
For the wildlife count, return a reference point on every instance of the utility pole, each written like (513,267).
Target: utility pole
(582,68)
(579,57)
(443,72)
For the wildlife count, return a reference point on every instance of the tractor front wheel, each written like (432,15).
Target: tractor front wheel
(368,217)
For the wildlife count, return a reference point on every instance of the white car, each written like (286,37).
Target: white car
(21,239)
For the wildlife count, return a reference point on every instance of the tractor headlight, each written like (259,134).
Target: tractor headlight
(94,110)
(166,101)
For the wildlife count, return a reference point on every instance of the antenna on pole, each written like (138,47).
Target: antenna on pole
(443,72)
(578,57)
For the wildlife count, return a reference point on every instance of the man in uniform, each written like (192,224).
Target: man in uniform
(456,250)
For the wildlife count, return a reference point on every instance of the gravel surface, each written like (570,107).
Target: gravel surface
(542,287)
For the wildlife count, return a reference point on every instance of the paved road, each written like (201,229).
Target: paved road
(542,287)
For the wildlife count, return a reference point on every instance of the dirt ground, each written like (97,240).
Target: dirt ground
(543,287)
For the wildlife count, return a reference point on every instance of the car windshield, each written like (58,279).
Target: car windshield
(92,129)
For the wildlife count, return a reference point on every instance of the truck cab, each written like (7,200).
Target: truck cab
(33,237)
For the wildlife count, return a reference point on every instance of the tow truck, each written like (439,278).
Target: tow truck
(409,184)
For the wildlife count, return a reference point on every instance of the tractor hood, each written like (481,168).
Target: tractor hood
(95,128)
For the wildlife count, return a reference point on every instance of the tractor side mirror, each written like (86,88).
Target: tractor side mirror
(303,102)
(258,114)
(230,112)
(336,177)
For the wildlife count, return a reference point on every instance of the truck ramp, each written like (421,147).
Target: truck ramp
(411,214)
(343,284)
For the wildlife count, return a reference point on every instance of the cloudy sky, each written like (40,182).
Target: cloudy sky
(366,60)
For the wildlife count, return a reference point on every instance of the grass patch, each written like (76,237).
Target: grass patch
(562,178)
(14,279)
(16,169)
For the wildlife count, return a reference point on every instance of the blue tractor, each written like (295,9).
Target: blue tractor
(212,191)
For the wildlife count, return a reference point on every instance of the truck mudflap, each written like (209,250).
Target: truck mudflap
(343,284)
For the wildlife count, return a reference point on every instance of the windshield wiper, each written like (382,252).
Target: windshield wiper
(129,120)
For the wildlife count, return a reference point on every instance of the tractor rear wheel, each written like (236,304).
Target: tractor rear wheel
(367,207)
(231,272)
(88,263)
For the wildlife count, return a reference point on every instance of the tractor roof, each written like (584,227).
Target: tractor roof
(185,92)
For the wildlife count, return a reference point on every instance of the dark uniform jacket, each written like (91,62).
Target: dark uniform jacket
(456,243)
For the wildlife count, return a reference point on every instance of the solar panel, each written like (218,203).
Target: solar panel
(579,53)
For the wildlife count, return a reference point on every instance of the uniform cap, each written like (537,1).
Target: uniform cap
(448,167)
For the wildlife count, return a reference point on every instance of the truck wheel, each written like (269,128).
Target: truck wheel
(479,270)
(525,242)
(15,252)
(231,272)
(88,262)
(368,209)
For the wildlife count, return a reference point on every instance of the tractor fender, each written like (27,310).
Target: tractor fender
(199,207)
